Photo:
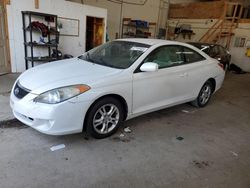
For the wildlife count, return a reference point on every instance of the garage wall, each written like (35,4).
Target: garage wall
(70,45)
(199,27)
(239,53)
(148,12)
(197,10)
(113,14)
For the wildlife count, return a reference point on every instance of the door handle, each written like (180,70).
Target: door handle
(184,75)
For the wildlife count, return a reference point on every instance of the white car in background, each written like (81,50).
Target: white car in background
(114,82)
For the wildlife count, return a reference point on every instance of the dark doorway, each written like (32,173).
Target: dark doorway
(94,32)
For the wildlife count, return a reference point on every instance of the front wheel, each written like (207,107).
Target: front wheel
(104,117)
(204,95)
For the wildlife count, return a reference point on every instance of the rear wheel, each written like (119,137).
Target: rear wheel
(204,95)
(104,117)
(226,67)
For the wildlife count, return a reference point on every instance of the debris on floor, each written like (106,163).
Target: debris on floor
(86,137)
(201,164)
(127,130)
(122,139)
(7,93)
(13,123)
(180,138)
(236,69)
(57,147)
(235,154)
(188,112)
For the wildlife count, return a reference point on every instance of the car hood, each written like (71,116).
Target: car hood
(62,73)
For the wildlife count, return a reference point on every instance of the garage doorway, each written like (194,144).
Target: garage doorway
(4,65)
(94,32)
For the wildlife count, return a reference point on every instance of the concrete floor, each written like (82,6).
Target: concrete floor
(215,150)
(6,83)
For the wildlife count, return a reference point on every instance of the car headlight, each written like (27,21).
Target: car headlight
(61,94)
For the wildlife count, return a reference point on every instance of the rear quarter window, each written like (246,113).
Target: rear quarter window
(192,56)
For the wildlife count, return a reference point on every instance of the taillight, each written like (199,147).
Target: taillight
(221,65)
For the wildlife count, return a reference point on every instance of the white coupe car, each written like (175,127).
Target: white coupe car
(114,82)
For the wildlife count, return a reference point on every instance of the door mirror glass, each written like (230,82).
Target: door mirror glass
(149,67)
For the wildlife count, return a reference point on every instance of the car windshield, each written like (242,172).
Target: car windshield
(116,54)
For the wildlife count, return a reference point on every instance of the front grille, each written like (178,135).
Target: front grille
(20,91)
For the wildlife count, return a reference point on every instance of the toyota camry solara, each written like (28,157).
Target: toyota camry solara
(114,82)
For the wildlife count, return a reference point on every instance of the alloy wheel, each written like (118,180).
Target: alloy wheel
(205,94)
(106,119)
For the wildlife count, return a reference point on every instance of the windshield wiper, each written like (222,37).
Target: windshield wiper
(101,61)
(80,57)
(89,58)
(86,57)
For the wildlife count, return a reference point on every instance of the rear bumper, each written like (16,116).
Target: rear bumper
(219,81)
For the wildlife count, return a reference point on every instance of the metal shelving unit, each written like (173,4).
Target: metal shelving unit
(131,30)
(29,44)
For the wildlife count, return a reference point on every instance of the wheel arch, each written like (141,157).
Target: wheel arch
(213,82)
(116,96)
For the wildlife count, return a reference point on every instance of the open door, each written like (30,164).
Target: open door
(94,32)
(4,66)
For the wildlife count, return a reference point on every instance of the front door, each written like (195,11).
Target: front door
(152,90)
(179,78)
(3,49)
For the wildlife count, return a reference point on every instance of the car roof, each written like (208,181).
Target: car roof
(203,44)
(150,42)
(153,42)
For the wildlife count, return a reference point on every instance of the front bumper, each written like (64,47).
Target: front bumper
(53,119)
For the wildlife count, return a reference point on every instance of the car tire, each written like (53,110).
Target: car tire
(226,67)
(204,95)
(104,117)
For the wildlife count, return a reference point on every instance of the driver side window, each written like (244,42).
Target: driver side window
(166,56)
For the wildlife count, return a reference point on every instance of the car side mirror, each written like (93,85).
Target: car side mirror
(149,67)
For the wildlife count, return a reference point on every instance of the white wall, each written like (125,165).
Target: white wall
(238,53)
(148,12)
(113,15)
(67,44)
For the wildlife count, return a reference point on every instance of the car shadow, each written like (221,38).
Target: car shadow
(139,121)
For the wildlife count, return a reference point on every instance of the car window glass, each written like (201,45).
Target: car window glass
(191,56)
(166,56)
(205,49)
(222,51)
(214,51)
(116,54)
